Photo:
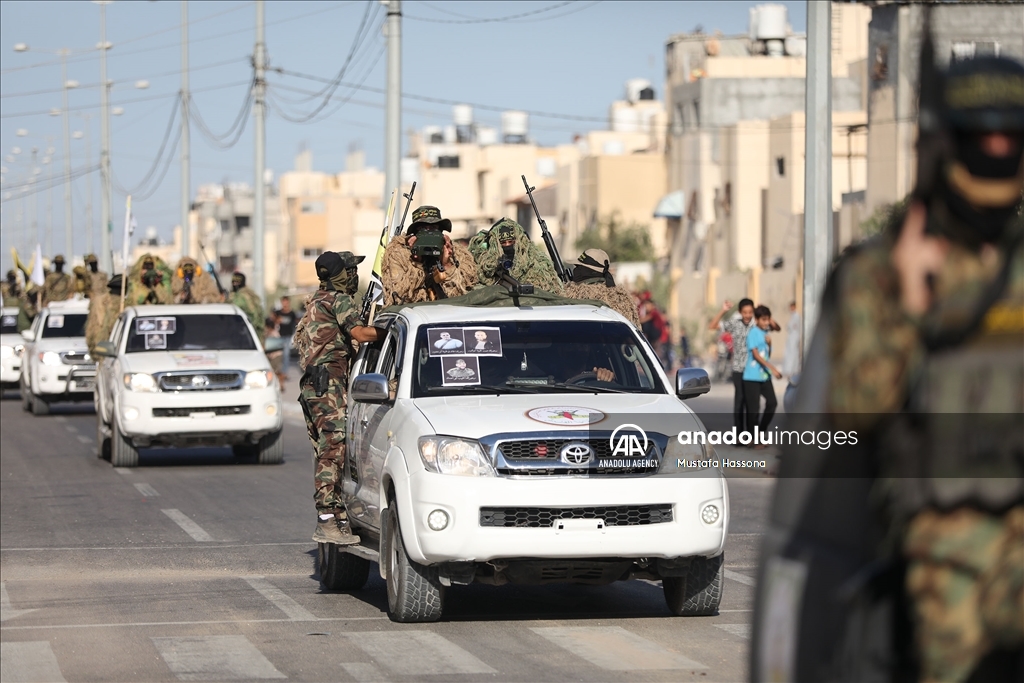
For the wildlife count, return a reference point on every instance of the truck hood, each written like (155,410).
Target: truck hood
(59,344)
(477,416)
(178,361)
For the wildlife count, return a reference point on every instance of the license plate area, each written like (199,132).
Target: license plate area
(569,526)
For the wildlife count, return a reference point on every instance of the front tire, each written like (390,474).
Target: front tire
(341,571)
(26,398)
(271,449)
(39,406)
(102,440)
(699,592)
(415,593)
(122,452)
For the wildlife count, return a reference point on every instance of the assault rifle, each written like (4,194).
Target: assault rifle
(563,275)
(213,271)
(405,212)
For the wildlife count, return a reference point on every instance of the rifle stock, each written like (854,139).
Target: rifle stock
(549,242)
(211,268)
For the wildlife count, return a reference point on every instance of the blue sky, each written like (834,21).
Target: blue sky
(565,58)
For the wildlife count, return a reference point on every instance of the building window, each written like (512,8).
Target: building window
(311,253)
(780,166)
(225,226)
(969,49)
(450,161)
(241,222)
(312,207)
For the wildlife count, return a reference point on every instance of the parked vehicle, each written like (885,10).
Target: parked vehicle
(501,459)
(184,376)
(56,367)
(11,347)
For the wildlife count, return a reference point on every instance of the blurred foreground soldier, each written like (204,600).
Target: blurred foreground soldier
(592,280)
(192,285)
(58,285)
(104,307)
(15,296)
(10,289)
(507,247)
(149,282)
(906,552)
(424,264)
(97,278)
(324,338)
(247,300)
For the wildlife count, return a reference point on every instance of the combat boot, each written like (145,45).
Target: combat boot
(334,530)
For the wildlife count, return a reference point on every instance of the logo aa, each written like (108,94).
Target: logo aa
(628,441)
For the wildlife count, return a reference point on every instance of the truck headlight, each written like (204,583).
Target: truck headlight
(50,358)
(258,379)
(450,455)
(695,456)
(19,349)
(140,381)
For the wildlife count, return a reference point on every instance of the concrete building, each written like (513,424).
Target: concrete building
(960,31)
(328,212)
(727,96)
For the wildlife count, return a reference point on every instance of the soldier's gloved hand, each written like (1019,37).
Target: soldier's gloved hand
(151,278)
(916,257)
(448,253)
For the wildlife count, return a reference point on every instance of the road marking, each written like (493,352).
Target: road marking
(84,439)
(161,547)
(728,611)
(614,648)
(7,610)
(214,658)
(161,624)
(60,418)
(364,673)
(418,653)
(294,610)
(148,491)
(71,428)
(29,662)
(740,578)
(741,630)
(188,526)
(123,470)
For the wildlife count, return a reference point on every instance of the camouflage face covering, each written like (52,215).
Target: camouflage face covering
(506,231)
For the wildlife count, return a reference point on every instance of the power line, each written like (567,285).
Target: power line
(483,20)
(159,155)
(236,127)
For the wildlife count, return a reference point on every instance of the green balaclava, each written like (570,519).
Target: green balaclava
(331,271)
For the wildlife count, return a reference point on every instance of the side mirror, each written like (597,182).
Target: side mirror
(692,382)
(371,387)
(105,349)
(27,335)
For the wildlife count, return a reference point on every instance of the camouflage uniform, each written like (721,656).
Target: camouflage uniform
(404,279)
(97,278)
(150,285)
(530,263)
(588,282)
(58,286)
(192,285)
(247,300)
(104,307)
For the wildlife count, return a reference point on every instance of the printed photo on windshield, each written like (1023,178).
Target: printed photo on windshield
(460,370)
(55,321)
(156,341)
(483,341)
(162,325)
(446,341)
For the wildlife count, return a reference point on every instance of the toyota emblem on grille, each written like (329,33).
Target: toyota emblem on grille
(200,381)
(576,453)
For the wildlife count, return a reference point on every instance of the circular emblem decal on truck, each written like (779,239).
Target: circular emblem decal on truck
(566,416)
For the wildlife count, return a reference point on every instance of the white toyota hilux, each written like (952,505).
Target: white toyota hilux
(56,366)
(524,444)
(182,376)
(11,346)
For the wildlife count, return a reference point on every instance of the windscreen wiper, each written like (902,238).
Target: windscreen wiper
(486,388)
(583,389)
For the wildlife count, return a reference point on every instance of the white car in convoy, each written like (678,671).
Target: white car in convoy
(525,445)
(186,376)
(56,366)
(11,346)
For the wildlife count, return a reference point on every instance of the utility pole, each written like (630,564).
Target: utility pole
(817,164)
(186,183)
(393,103)
(105,255)
(69,233)
(49,196)
(89,228)
(259,110)
(33,232)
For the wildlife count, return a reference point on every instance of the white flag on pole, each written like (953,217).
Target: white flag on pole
(129,230)
(38,277)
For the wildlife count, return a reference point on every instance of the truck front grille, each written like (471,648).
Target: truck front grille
(201,381)
(545,517)
(185,412)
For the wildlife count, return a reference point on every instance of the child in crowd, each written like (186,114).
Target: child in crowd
(758,371)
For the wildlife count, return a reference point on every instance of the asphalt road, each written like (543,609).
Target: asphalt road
(197,566)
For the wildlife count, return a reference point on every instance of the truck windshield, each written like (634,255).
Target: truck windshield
(64,325)
(190,332)
(9,323)
(536,356)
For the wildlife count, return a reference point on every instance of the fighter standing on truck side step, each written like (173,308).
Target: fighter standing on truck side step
(324,339)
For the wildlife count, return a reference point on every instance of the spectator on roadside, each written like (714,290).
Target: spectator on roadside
(652,323)
(758,372)
(737,330)
(286,321)
(684,348)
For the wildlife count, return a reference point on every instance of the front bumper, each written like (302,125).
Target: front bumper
(65,382)
(467,539)
(200,417)
(10,371)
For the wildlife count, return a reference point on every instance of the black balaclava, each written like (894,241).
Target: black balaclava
(58,264)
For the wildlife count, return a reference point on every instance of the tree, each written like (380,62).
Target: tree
(883,216)
(622,242)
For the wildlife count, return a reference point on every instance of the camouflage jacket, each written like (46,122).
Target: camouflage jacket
(200,290)
(139,294)
(617,298)
(324,334)
(404,280)
(103,311)
(57,287)
(531,263)
(247,300)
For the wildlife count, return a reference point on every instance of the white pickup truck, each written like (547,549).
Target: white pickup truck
(56,366)
(530,444)
(185,376)
(11,346)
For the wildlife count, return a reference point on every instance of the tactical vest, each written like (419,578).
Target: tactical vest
(961,440)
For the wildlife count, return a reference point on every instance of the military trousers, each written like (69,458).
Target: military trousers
(965,581)
(325,425)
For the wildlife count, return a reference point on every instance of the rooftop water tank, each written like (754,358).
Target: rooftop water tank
(634,87)
(449,134)
(485,135)
(768,24)
(432,134)
(626,120)
(514,126)
(462,115)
